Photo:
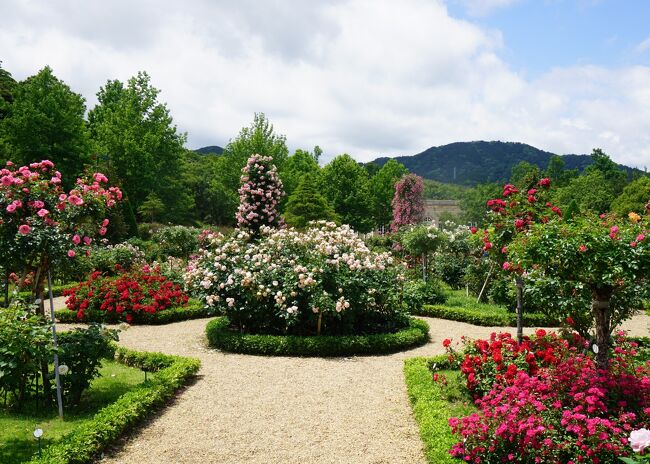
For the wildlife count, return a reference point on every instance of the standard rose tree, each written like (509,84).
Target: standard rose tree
(259,195)
(606,257)
(42,225)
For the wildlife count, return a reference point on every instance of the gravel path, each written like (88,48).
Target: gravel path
(252,409)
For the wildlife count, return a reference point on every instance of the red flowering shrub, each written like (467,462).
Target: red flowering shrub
(131,296)
(499,359)
(567,411)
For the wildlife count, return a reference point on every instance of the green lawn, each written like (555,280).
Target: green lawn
(17,444)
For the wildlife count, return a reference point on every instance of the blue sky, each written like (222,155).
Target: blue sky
(365,77)
(542,34)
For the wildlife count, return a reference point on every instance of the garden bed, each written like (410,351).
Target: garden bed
(194,310)
(84,442)
(432,408)
(462,308)
(222,337)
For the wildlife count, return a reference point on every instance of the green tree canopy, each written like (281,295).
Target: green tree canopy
(296,167)
(557,172)
(46,121)
(307,204)
(473,202)
(634,197)
(345,184)
(152,207)
(382,189)
(524,174)
(615,177)
(135,134)
(590,191)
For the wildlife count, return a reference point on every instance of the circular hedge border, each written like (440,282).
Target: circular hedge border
(221,337)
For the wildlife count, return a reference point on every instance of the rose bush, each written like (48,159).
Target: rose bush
(259,195)
(562,409)
(131,296)
(322,280)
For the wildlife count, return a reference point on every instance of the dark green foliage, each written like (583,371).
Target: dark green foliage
(222,337)
(307,204)
(83,445)
(82,351)
(434,404)
(524,174)
(479,315)
(194,310)
(473,202)
(382,190)
(46,121)
(634,197)
(418,293)
(345,185)
(209,150)
(176,241)
(434,190)
(296,168)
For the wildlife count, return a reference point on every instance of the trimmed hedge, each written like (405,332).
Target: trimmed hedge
(482,317)
(194,310)
(430,408)
(83,444)
(221,337)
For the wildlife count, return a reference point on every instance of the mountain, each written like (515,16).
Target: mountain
(470,163)
(211,150)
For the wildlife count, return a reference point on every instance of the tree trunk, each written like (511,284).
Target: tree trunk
(520,308)
(600,309)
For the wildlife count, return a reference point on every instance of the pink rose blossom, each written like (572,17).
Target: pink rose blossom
(24,229)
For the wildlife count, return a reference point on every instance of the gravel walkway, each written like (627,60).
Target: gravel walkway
(252,409)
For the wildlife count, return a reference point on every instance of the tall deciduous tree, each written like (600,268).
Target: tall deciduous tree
(382,189)
(296,167)
(138,141)
(345,185)
(46,121)
(408,202)
(307,204)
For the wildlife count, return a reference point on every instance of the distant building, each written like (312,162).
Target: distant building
(433,209)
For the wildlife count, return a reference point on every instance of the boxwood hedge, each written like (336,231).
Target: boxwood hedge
(483,317)
(220,336)
(83,444)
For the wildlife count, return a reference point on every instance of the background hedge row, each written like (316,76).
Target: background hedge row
(483,317)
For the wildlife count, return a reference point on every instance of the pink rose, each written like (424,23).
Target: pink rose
(11,208)
(105,222)
(42,212)
(640,440)
(506,266)
(24,229)
(87,240)
(76,240)
(71,253)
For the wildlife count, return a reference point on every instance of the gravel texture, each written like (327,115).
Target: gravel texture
(253,409)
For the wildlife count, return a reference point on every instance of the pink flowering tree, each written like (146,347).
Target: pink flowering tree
(259,194)
(511,216)
(408,202)
(41,225)
(606,257)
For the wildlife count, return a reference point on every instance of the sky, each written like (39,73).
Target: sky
(365,77)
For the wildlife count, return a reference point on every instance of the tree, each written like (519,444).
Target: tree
(591,192)
(307,204)
(634,198)
(615,177)
(296,167)
(557,172)
(139,143)
(609,258)
(473,201)
(152,207)
(259,195)
(524,174)
(259,138)
(382,189)
(7,88)
(344,183)
(408,201)
(46,121)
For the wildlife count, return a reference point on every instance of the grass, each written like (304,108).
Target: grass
(17,444)
(463,308)
(434,404)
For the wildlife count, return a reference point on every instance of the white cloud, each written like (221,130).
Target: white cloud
(484,7)
(643,46)
(367,77)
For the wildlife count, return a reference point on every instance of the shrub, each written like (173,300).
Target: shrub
(128,297)
(124,256)
(569,411)
(323,280)
(25,341)
(419,293)
(81,351)
(176,241)
(451,261)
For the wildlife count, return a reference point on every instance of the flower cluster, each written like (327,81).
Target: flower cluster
(565,410)
(322,280)
(37,218)
(131,296)
(408,202)
(259,194)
